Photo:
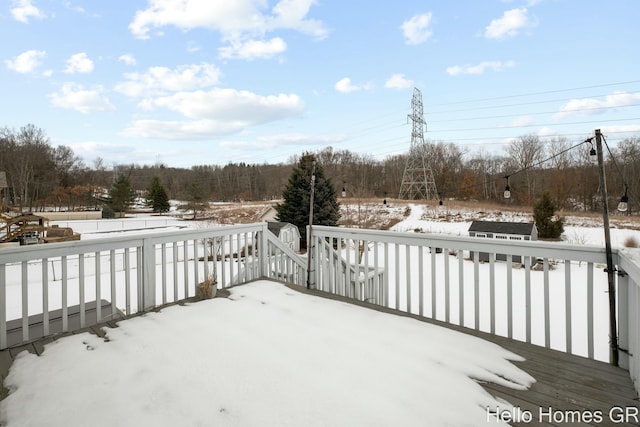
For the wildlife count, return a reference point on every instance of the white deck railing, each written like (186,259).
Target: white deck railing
(40,283)
(556,298)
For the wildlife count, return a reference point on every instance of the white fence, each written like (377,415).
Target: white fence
(557,298)
(55,287)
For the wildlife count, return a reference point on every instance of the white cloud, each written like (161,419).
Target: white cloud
(235,20)
(590,106)
(301,139)
(416,30)
(214,113)
(26,62)
(127,59)
(158,80)
(79,63)
(252,49)
(398,81)
(185,129)
(22,10)
(231,105)
(480,68)
(511,22)
(73,96)
(274,141)
(345,86)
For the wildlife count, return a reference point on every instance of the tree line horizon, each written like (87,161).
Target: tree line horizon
(40,176)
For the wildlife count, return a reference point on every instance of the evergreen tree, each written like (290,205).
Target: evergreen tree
(121,195)
(295,207)
(549,226)
(157,197)
(195,199)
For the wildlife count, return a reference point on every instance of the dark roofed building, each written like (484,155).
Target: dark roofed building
(525,229)
(503,230)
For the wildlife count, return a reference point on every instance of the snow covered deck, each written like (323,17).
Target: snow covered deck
(565,388)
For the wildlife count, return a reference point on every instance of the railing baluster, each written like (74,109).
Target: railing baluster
(397,269)
(527,284)
(376,277)
(112,273)
(65,305)
(408,276)
(421,282)
(98,285)
(185,267)
(25,301)
(174,265)
(447,286)
(547,308)
(509,296)
(45,297)
(476,289)
(347,278)
(163,271)
(590,318)
(434,296)
(567,303)
(127,281)
(367,291)
(196,263)
(386,275)
(331,266)
(492,289)
(461,287)
(81,296)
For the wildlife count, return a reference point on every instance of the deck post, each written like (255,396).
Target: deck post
(262,250)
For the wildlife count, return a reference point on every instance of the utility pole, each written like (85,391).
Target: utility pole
(310,234)
(613,330)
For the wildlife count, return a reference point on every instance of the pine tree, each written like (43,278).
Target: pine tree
(544,214)
(295,207)
(121,195)
(157,197)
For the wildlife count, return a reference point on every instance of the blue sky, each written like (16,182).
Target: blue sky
(197,82)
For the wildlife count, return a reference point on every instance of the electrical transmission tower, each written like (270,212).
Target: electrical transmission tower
(417,180)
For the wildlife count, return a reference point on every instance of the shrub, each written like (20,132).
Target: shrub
(631,242)
(544,214)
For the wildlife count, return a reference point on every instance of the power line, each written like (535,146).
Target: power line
(539,93)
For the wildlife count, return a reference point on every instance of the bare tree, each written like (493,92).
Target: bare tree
(524,153)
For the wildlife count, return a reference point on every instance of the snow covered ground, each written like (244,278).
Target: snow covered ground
(267,356)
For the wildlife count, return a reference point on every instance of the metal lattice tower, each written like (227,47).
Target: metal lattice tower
(417,180)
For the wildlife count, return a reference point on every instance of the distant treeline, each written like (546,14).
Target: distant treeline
(39,175)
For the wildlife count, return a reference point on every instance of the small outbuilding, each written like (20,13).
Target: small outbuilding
(287,233)
(503,230)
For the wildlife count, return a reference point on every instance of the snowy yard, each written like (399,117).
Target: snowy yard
(267,356)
